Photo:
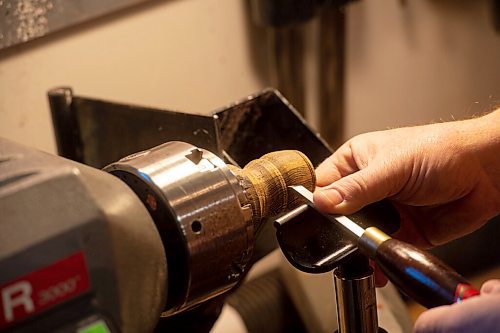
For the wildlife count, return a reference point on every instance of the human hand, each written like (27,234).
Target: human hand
(476,314)
(444,178)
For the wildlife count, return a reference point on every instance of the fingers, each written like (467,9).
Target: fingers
(477,314)
(336,166)
(351,193)
(346,186)
(437,320)
(410,230)
(379,276)
(458,218)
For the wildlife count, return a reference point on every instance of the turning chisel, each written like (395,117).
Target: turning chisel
(417,273)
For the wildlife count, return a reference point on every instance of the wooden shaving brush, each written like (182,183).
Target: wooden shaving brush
(266,181)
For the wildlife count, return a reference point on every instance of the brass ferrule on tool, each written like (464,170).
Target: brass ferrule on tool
(371,239)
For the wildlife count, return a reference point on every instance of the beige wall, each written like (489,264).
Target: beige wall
(189,55)
(406,64)
(417,63)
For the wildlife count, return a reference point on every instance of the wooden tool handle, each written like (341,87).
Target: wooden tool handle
(420,275)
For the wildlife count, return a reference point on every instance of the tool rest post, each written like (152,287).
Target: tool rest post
(355,293)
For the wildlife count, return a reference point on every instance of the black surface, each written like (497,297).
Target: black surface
(308,239)
(266,123)
(279,13)
(97,132)
(66,127)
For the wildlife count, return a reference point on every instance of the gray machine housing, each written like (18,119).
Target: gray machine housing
(52,207)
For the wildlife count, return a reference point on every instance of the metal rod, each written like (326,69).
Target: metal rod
(356,300)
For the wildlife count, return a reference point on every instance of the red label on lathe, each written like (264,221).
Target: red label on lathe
(43,289)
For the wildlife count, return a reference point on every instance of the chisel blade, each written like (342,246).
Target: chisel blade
(344,220)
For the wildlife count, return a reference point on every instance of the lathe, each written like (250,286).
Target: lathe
(156,240)
(155,234)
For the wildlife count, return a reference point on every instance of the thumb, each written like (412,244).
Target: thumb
(476,314)
(491,287)
(351,193)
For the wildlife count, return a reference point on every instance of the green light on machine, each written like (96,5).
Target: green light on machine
(96,327)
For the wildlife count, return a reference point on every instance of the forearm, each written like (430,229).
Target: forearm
(483,137)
